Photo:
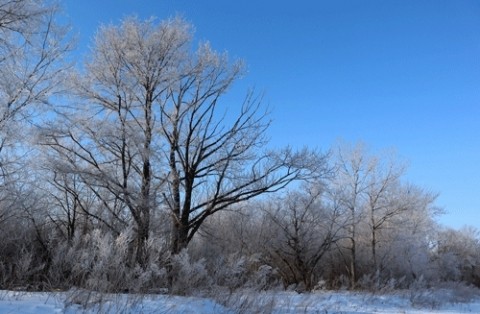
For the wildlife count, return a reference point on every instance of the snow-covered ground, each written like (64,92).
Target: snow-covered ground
(281,302)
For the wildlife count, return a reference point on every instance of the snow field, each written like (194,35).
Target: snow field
(328,302)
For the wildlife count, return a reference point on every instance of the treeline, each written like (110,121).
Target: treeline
(129,172)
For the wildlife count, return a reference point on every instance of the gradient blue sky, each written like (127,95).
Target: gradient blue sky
(399,74)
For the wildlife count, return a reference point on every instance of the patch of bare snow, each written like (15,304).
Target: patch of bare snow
(327,302)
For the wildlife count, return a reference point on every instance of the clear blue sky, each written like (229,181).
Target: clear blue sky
(402,74)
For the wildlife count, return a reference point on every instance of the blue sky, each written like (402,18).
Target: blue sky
(399,74)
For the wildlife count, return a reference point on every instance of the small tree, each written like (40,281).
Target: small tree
(349,187)
(300,230)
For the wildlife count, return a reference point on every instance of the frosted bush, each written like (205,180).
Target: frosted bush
(230,271)
(187,275)
(375,283)
(266,277)
(98,261)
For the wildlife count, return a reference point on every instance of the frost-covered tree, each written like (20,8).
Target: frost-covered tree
(111,138)
(349,191)
(404,239)
(32,52)
(149,131)
(456,255)
(382,212)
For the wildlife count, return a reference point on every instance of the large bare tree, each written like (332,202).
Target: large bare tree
(110,137)
(149,131)
(214,164)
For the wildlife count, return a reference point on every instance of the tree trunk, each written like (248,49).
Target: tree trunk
(180,237)
(141,255)
(353,261)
